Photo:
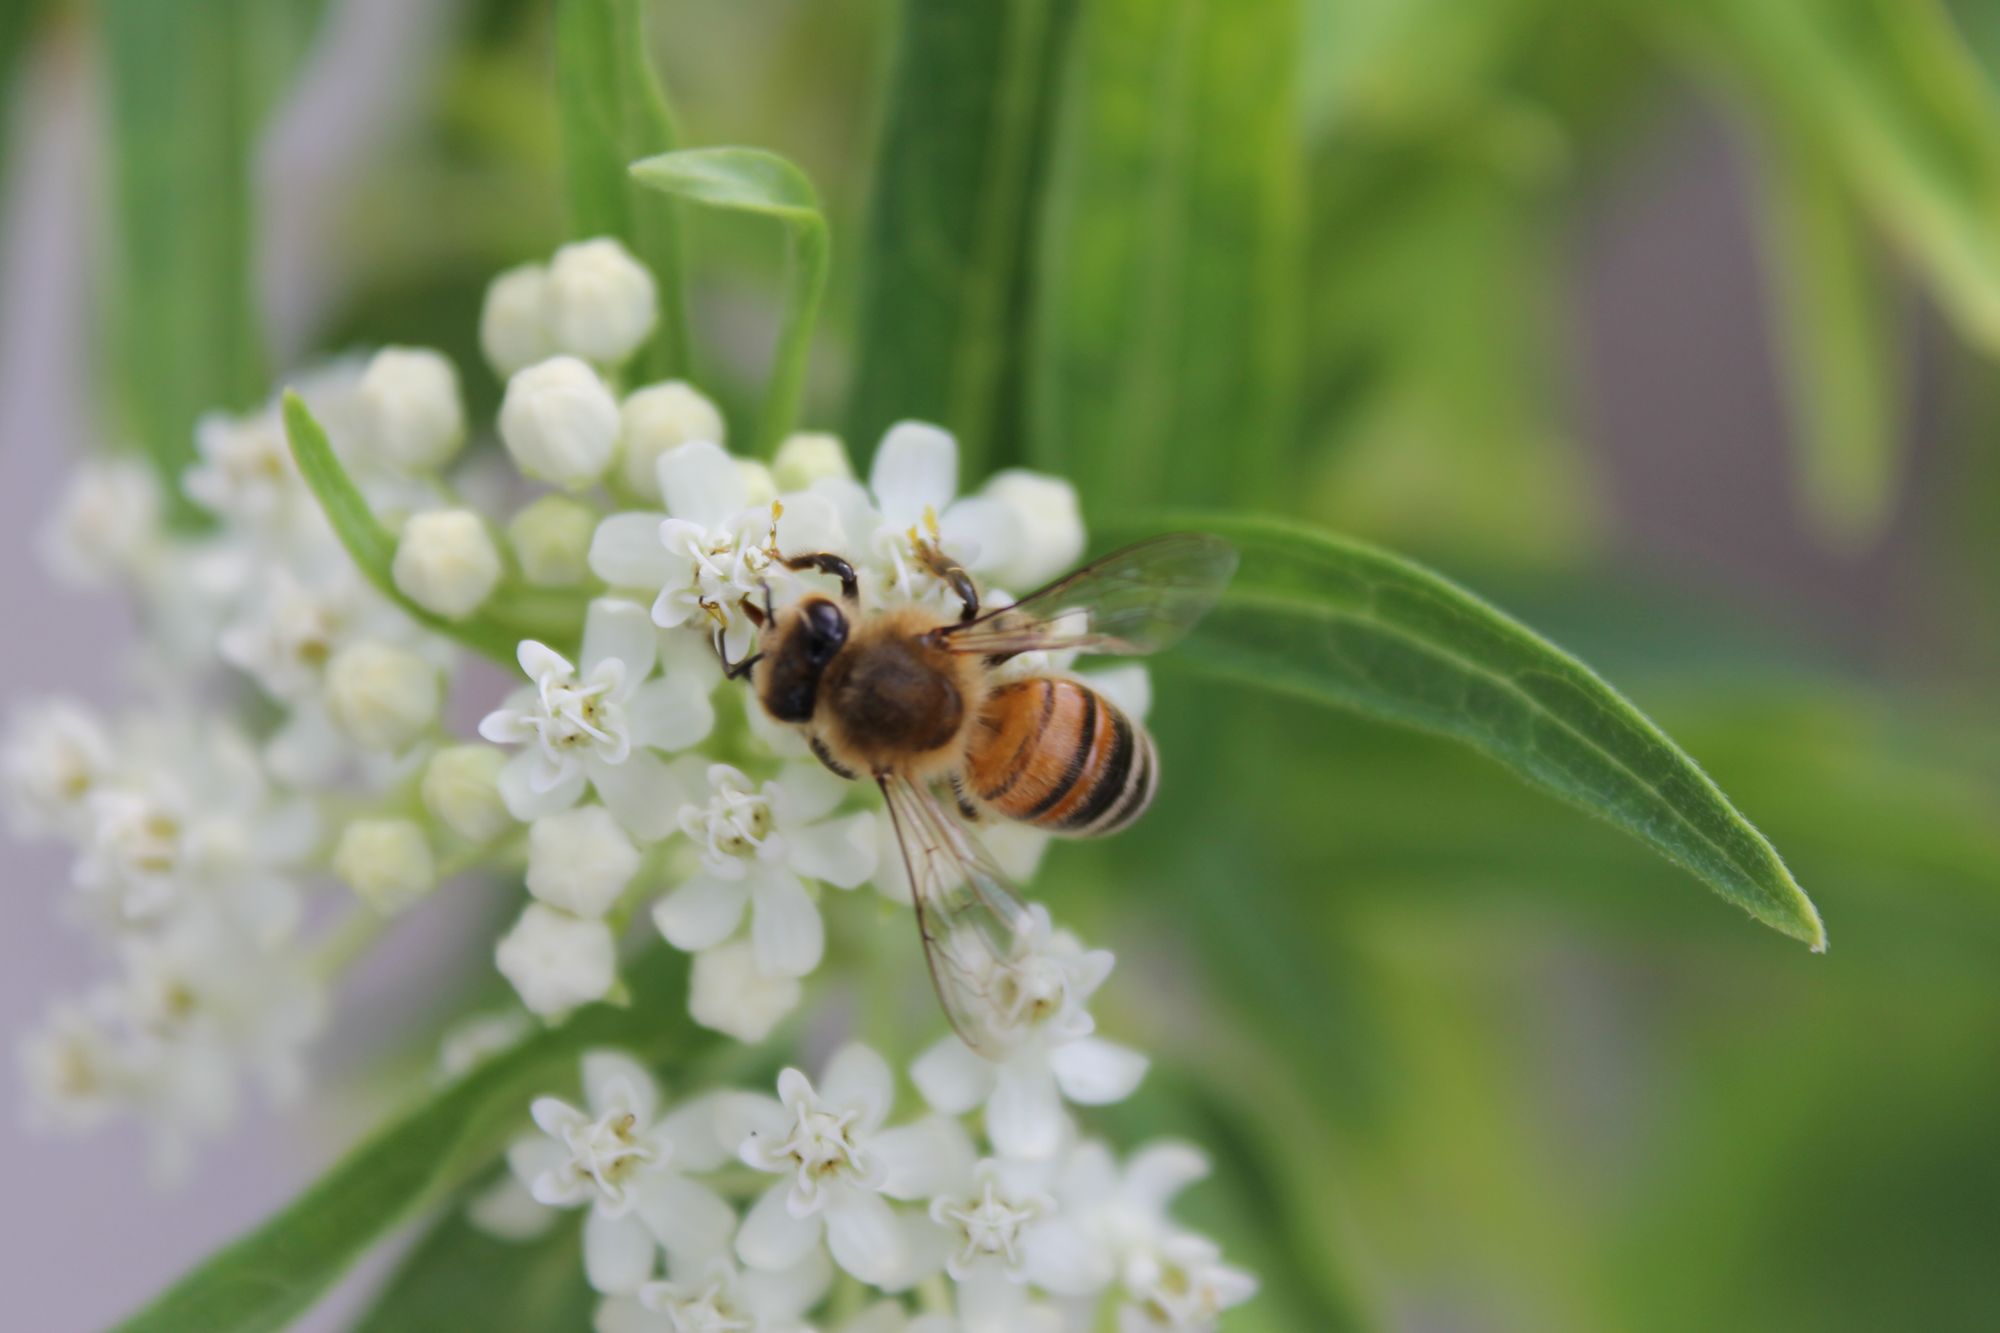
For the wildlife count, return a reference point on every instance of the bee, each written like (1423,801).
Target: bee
(918,706)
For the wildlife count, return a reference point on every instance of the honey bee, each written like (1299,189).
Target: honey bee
(918,706)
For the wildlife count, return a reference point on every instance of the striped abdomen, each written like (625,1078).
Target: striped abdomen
(1058,755)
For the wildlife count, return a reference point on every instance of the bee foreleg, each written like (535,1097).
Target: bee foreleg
(733,670)
(828,563)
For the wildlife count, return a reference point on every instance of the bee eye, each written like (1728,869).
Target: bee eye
(824,629)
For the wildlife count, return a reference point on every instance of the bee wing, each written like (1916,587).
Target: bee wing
(972,922)
(1132,602)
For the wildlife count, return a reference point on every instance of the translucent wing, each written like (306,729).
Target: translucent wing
(974,926)
(1132,602)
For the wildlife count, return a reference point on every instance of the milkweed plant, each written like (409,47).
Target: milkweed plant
(698,1059)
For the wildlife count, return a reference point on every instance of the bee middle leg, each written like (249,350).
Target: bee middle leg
(954,577)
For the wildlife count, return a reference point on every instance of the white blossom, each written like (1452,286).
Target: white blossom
(461,788)
(446,563)
(559,422)
(105,526)
(600,724)
(729,992)
(660,417)
(598,302)
(579,860)
(807,457)
(415,414)
(382,696)
(57,757)
(624,1161)
(1181,1287)
(1044,991)
(556,961)
(387,862)
(724,1298)
(512,331)
(551,540)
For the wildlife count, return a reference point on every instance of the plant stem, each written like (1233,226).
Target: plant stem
(805,282)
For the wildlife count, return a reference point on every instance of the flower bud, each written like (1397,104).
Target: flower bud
(555,961)
(386,861)
(726,992)
(660,417)
(446,563)
(551,540)
(511,331)
(559,422)
(415,416)
(579,860)
(1051,526)
(807,457)
(758,487)
(599,303)
(383,697)
(461,786)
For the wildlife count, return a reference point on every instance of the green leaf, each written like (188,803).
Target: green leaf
(269,1276)
(1168,300)
(1839,341)
(1888,93)
(458,1276)
(952,218)
(614,113)
(496,631)
(750,180)
(186,84)
(1345,624)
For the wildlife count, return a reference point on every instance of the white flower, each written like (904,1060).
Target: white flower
(551,540)
(75,1073)
(246,473)
(598,301)
(598,724)
(1043,992)
(556,961)
(1051,537)
(1181,1287)
(461,786)
(291,624)
(105,525)
(57,757)
(512,332)
(725,1299)
(729,993)
(415,415)
(660,417)
(837,1163)
(807,457)
(386,861)
(559,422)
(989,1224)
(756,844)
(579,860)
(713,547)
(622,1160)
(446,563)
(382,696)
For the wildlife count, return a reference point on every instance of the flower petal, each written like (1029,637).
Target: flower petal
(517,788)
(1024,1115)
(1059,1257)
(691,1222)
(691,1127)
(840,851)
(626,551)
(617,1252)
(615,629)
(858,1077)
(785,928)
(700,913)
(952,1077)
(614,1080)
(770,1237)
(916,468)
(862,1233)
(1096,1072)
(1130,687)
(741,1116)
(1159,1171)
(670,713)
(640,793)
(981,532)
(989,1303)
(701,483)
(809,523)
(806,791)
(924,1159)
(779,1299)
(538,660)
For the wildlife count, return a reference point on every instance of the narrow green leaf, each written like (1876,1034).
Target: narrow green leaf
(495,632)
(1168,300)
(1346,624)
(1889,94)
(274,1273)
(614,113)
(457,1276)
(1838,337)
(951,223)
(186,83)
(749,180)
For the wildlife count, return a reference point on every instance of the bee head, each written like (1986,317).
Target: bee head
(810,636)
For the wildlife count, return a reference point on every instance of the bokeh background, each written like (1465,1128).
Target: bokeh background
(1670,328)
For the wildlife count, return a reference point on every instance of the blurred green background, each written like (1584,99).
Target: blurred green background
(1671,328)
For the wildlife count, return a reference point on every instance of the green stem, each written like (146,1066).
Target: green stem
(805,282)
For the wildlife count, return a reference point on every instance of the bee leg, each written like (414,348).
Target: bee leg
(828,563)
(733,670)
(955,578)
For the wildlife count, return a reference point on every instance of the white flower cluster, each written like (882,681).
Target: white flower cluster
(632,790)
(984,1244)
